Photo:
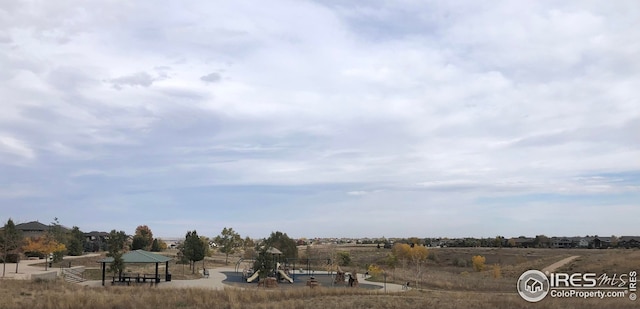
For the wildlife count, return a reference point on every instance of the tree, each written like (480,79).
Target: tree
(228,241)
(248,245)
(116,245)
(43,246)
(76,242)
(206,245)
(541,241)
(193,249)
(283,243)
(142,239)
(264,262)
(416,256)
(344,258)
(158,245)
(10,243)
(61,236)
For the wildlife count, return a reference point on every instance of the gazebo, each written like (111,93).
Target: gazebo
(140,257)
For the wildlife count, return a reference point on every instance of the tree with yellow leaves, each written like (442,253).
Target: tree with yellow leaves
(415,255)
(43,245)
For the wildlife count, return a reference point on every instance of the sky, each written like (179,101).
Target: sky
(322,118)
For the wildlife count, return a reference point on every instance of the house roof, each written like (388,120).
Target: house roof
(273,250)
(32,226)
(96,233)
(628,238)
(605,239)
(139,256)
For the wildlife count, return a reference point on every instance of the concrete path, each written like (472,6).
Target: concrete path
(216,276)
(551,268)
(27,267)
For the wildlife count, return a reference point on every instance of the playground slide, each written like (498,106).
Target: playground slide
(285,276)
(253,277)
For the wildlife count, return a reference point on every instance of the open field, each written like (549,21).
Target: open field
(42,294)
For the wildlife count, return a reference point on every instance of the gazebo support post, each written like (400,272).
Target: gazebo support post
(156,279)
(104,267)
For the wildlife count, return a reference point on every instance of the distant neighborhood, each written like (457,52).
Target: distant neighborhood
(97,241)
(539,241)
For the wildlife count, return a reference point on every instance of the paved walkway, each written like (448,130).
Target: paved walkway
(27,267)
(558,264)
(215,281)
(216,276)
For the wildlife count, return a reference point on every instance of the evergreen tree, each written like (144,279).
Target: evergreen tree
(76,242)
(10,244)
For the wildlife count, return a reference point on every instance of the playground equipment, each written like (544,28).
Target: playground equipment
(253,277)
(346,278)
(283,275)
(339,276)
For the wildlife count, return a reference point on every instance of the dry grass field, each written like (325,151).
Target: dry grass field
(448,282)
(45,295)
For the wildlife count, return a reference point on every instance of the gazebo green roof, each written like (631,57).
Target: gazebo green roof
(139,256)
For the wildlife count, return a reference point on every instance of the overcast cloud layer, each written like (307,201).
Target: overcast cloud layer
(327,118)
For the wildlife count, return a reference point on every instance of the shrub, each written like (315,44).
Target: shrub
(460,262)
(478,262)
(374,270)
(344,259)
(433,257)
(496,271)
(11,258)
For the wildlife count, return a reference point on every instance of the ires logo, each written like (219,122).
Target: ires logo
(577,280)
(534,285)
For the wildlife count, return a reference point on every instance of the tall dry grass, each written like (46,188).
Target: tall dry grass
(58,294)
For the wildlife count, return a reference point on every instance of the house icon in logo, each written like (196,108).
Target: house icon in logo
(533,285)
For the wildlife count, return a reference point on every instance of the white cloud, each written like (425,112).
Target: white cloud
(467,100)
(16,147)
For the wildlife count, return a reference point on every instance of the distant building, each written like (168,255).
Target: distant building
(601,242)
(33,229)
(629,242)
(585,242)
(95,241)
(561,242)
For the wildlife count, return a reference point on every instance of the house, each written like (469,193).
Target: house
(33,229)
(562,242)
(96,236)
(585,242)
(533,285)
(95,241)
(601,242)
(629,242)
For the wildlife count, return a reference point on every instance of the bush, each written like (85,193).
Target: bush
(344,258)
(496,271)
(460,262)
(433,257)
(11,258)
(374,270)
(478,262)
(35,254)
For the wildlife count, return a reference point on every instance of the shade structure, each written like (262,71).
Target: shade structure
(138,257)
